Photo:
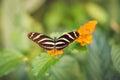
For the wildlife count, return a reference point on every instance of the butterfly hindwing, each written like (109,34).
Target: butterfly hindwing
(42,40)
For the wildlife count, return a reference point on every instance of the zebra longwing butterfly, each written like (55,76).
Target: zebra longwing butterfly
(83,35)
(56,44)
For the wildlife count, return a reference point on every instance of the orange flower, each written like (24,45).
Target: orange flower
(85,36)
(85,33)
(54,52)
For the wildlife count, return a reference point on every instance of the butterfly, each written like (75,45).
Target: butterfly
(55,46)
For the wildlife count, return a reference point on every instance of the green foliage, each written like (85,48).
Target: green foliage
(116,57)
(9,60)
(100,14)
(41,63)
(97,61)
(66,69)
(99,58)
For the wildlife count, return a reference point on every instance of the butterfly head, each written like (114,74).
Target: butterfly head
(55,39)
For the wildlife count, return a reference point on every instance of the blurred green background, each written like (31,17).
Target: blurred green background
(22,59)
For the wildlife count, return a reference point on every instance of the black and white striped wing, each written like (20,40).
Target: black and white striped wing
(65,40)
(42,40)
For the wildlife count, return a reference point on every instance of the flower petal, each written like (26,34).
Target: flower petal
(54,53)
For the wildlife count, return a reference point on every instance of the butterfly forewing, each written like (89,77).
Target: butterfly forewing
(42,40)
(65,40)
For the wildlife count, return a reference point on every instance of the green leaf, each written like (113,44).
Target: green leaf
(116,57)
(9,60)
(42,63)
(66,69)
(99,59)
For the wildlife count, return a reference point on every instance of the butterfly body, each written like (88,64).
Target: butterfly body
(54,40)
